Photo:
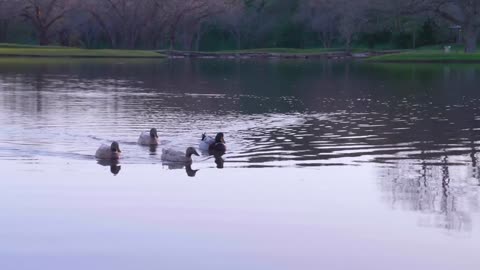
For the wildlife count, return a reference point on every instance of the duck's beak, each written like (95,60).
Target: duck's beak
(196,154)
(223,140)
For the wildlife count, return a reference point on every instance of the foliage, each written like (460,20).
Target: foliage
(239,24)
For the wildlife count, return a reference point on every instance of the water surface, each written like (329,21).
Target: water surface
(335,165)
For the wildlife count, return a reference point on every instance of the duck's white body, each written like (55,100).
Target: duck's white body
(105,152)
(146,139)
(178,156)
(205,143)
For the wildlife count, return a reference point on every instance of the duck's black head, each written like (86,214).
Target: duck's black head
(153,133)
(115,147)
(219,138)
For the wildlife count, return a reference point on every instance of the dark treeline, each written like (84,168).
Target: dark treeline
(240,24)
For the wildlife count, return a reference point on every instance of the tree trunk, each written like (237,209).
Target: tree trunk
(197,42)
(470,38)
(238,41)
(43,37)
(414,39)
(348,48)
(193,41)
(3,30)
(172,38)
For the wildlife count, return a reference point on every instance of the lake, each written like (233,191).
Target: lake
(330,165)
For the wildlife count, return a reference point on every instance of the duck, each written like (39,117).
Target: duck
(178,156)
(148,137)
(111,152)
(210,144)
(205,142)
(218,147)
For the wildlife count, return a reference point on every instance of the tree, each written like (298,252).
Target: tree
(8,11)
(465,13)
(345,17)
(178,13)
(44,15)
(123,21)
(321,19)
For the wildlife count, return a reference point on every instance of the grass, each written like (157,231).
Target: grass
(16,50)
(431,54)
(425,55)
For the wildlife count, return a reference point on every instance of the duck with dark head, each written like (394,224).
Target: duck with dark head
(148,137)
(219,145)
(209,143)
(108,152)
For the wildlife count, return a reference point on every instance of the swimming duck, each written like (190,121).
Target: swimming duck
(177,156)
(218,146)
(108,151)
(213,144)
(148,138)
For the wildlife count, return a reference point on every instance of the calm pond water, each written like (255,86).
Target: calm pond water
(330,165)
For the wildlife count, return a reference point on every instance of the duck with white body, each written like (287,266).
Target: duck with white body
(148,137)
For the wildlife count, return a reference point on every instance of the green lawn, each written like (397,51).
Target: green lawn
(15,50)
(424,55)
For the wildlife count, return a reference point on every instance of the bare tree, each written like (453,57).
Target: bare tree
(185,11)
(8,12)
(465,13)
(123,21)
(44,15)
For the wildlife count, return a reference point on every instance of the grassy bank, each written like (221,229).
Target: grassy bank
(432,54)
(276,53)
(307,51)
(15,50)
(428,55)
(282,51)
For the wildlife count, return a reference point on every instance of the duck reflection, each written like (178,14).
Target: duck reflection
(218,155)
(153,149)
(220,162)
(178,166)
(190,171)
(113,164)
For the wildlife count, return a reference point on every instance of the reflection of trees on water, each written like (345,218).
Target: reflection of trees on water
(439,188)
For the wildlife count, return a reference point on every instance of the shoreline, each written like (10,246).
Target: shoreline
(17,51)
(333,55)
(80,56)
(373,56)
